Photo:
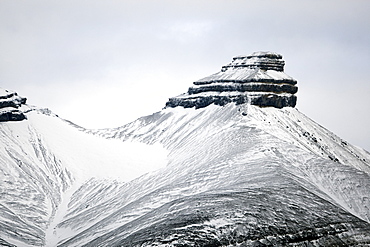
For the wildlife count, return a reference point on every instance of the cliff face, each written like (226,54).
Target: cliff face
(258,79)
(9,106)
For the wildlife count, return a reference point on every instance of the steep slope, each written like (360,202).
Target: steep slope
(43,159)
(234,174)
(216,167)
(229,180)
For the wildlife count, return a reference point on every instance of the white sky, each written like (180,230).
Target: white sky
(105,63)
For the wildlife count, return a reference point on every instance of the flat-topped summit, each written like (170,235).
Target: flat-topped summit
(258,79)
(10,102)
(262,60)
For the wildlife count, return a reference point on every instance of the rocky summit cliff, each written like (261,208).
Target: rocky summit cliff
(10,104)
(226,174)
(257,79)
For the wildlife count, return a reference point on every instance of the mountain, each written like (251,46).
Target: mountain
(257,79)
(229,163)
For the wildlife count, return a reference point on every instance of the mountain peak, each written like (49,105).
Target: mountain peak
(258,79)
(10,102)
(262,60)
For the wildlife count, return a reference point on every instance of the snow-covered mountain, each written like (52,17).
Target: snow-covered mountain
(207,170)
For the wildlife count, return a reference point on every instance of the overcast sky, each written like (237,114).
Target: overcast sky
(105,63)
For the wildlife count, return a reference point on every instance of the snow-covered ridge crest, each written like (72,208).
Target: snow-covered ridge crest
(265,175)
(45,160)
(236,175)
(258,79)
(10,102)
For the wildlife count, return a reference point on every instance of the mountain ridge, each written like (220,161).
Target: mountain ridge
(207,170)
(187,118)
(181,131)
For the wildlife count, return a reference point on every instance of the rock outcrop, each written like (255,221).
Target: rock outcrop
(10,104)
(258,79)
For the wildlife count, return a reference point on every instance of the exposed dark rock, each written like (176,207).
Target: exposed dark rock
(265,100)
(245,87)
(258,79)
(200,102)
(267,80)
(10,104)
(13,115)
(274,100)
(262,60)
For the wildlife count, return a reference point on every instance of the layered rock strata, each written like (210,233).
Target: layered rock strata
(10,104)
(258,79)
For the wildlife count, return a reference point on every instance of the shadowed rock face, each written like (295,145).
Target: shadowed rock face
(9,106)
(258,79)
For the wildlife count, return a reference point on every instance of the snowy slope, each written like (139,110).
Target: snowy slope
(215,176)
(236,173)
(221,165)
(44,159)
